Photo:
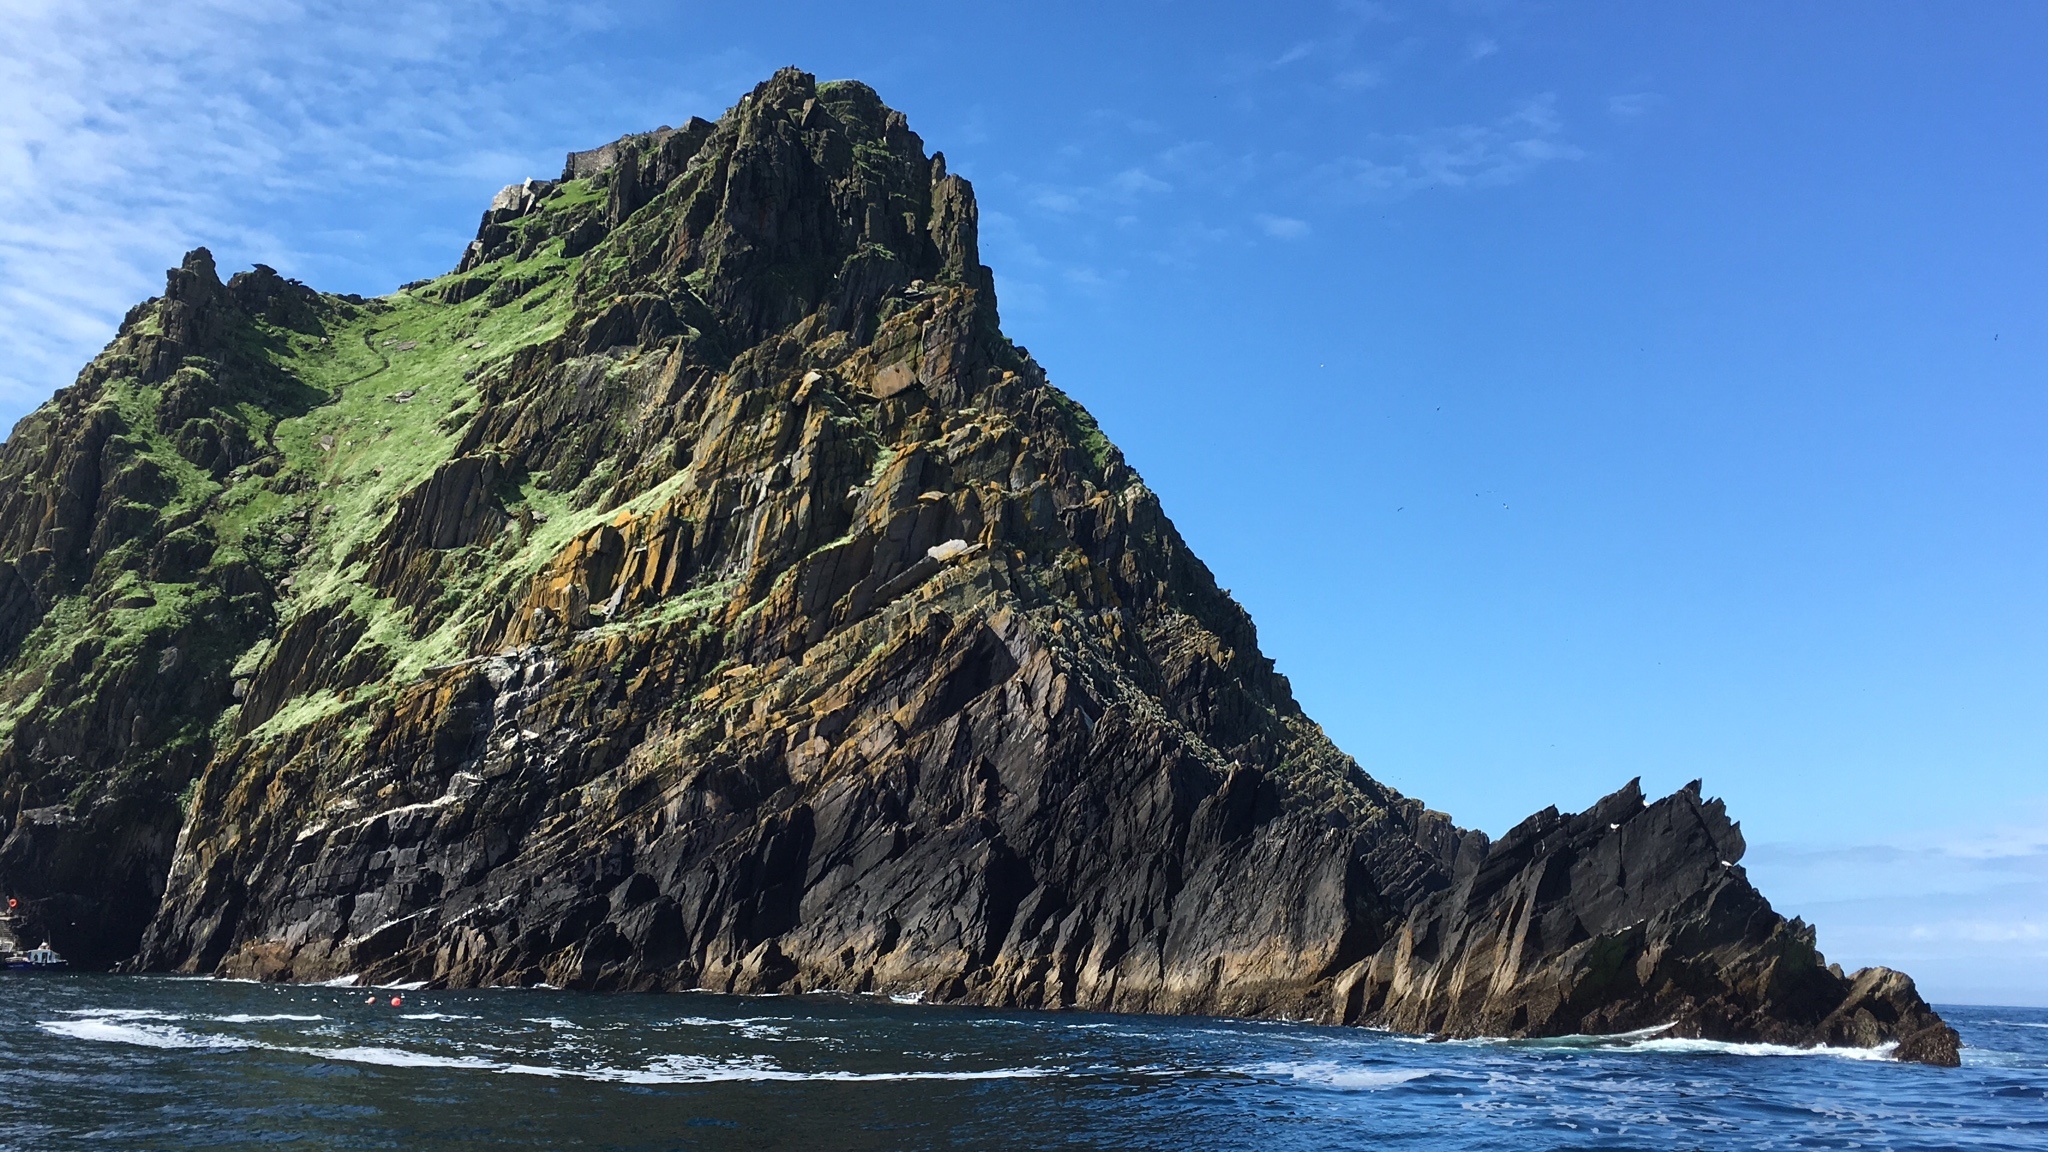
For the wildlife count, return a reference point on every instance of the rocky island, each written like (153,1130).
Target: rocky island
(696,589)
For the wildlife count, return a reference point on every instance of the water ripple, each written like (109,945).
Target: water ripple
(103,1061)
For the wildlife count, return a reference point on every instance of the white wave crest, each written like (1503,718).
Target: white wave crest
(143,1035)
(753,1028)
(396,1057)
(1731,1048)
(553,1022)
(1640,1033)
(262,1018)
(662,1070)
(1331,1074)
(211,979)
(534,1070)
(435,1016)
(1653,1040)
(701,1070)
(154,1035)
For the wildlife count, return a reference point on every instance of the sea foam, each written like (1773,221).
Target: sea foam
(1331,1074)
(1677,1044)
(144,1035)
(661,1070)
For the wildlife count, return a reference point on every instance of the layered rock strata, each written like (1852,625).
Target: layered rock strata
(1623,918)
(696,590)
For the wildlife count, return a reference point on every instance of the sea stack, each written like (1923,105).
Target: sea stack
(695,589)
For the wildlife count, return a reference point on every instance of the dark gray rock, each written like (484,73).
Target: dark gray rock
(1623,917)
(853,656)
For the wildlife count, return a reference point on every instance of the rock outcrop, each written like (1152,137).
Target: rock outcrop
(122,605)
(696,589)
(1626,917)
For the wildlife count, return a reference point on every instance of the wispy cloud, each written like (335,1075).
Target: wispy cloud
(1964,912)
(1630,105)
(135,131)
(1055,200)
(1979,931)
(1132,183)
(1297,53)
(1115,177)
(1466,155)
(1282,227)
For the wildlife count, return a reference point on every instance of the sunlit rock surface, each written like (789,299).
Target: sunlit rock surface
(696,589)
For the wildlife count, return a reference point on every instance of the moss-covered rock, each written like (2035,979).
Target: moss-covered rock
(695,589)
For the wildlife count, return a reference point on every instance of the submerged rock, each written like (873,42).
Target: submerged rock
(726,603)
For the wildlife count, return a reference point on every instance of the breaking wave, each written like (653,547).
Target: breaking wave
(1331,1074)
(1733,1048)
(107,1030)
(389,1057)
(116,1028)
(208,1065)
(1654,1040)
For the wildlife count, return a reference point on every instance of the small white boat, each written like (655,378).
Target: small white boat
(42,958)
(39,958)
(15,958)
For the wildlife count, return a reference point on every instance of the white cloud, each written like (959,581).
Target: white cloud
(1482,48)
(1282,227)
(1170,198)
(1538,116)
(1133,182)
(1631,105)
(1054,200)
(1965,912)
(1297,53)
(1467,155)
(1979,931)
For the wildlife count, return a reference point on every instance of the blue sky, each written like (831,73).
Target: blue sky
(1571,391)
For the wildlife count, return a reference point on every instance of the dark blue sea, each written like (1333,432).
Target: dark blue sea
(113,1062)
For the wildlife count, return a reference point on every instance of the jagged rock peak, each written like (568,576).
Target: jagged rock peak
(696,589)
(804,188)
(1622,917)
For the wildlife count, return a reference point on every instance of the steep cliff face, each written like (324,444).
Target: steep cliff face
(696,589)
(126,594)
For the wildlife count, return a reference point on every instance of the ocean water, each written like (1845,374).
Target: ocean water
(115,1062)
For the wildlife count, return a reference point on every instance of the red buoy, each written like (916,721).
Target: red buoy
(397,1000)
